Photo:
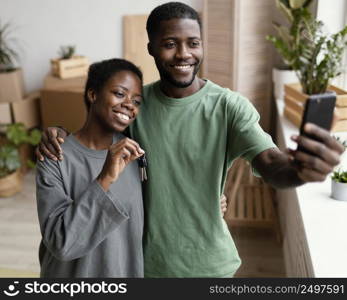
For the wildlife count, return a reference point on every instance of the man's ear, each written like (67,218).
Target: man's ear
(150,49)
(91,96)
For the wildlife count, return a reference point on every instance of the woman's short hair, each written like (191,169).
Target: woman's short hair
(99,73)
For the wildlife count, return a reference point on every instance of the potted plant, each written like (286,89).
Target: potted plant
(339,185)
(314,55)
(13,137)
(280,76)
(11,79)
(69,65)
(339,177)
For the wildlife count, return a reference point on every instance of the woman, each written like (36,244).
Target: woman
(90,203)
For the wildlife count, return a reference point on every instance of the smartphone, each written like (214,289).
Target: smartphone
(319,110)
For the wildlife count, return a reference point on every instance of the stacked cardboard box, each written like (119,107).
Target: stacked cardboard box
(295,102)
(62,103)
(15,106)
(75,66)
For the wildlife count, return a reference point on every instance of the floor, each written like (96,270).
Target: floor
(20,233)
(261,254)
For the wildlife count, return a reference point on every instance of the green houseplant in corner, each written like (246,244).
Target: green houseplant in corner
(313,54)
(12,137)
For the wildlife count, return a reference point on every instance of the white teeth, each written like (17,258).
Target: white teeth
(182,67)
(122,116)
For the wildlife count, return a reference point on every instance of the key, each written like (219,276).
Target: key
(143,164)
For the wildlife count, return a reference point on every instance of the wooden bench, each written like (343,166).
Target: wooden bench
(250,200)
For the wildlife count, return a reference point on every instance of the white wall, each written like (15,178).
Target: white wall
(332,13)
(94,26)
(335,18)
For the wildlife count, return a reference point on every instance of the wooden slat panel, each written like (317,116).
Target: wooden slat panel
(267,203)
(258,204)
(249,203)
(240,204)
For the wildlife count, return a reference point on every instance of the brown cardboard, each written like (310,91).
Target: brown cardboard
(27,111)
(11,86)
(75,66)
(52,82)
(63,108)
(5,113)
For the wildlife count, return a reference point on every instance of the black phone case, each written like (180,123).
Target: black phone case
(319,110)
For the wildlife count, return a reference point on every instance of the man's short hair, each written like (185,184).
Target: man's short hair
(168,11)
(99,73)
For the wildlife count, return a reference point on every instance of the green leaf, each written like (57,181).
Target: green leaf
(9,159)
(31,164)
(16,135)
(34,137)
(284,7)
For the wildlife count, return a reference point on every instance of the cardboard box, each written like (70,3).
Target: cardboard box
(11,86)
(63,108)
(75,66)
(5,113)
(27,111)
(51,82)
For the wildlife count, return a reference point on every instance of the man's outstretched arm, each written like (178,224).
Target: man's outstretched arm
(283,170)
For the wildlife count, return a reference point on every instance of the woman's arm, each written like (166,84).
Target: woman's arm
(71,228)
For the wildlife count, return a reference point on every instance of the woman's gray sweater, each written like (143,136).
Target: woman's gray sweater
(87,232)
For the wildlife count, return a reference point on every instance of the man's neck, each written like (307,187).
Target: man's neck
(174,92)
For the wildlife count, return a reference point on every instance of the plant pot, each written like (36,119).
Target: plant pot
(295,100)
(338,190)
(280,78)
(11,184)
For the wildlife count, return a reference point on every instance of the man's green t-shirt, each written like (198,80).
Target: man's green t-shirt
(190,143)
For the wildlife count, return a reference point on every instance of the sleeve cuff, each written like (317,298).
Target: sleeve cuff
(111,202)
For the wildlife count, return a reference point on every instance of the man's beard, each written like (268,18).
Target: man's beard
(179,84)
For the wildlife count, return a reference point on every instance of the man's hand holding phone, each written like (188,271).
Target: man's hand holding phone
(317,153)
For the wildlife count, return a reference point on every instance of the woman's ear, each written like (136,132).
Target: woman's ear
(91,96)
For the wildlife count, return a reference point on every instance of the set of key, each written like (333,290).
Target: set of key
(143,165)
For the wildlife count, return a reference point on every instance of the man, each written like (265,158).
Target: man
(192,130)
